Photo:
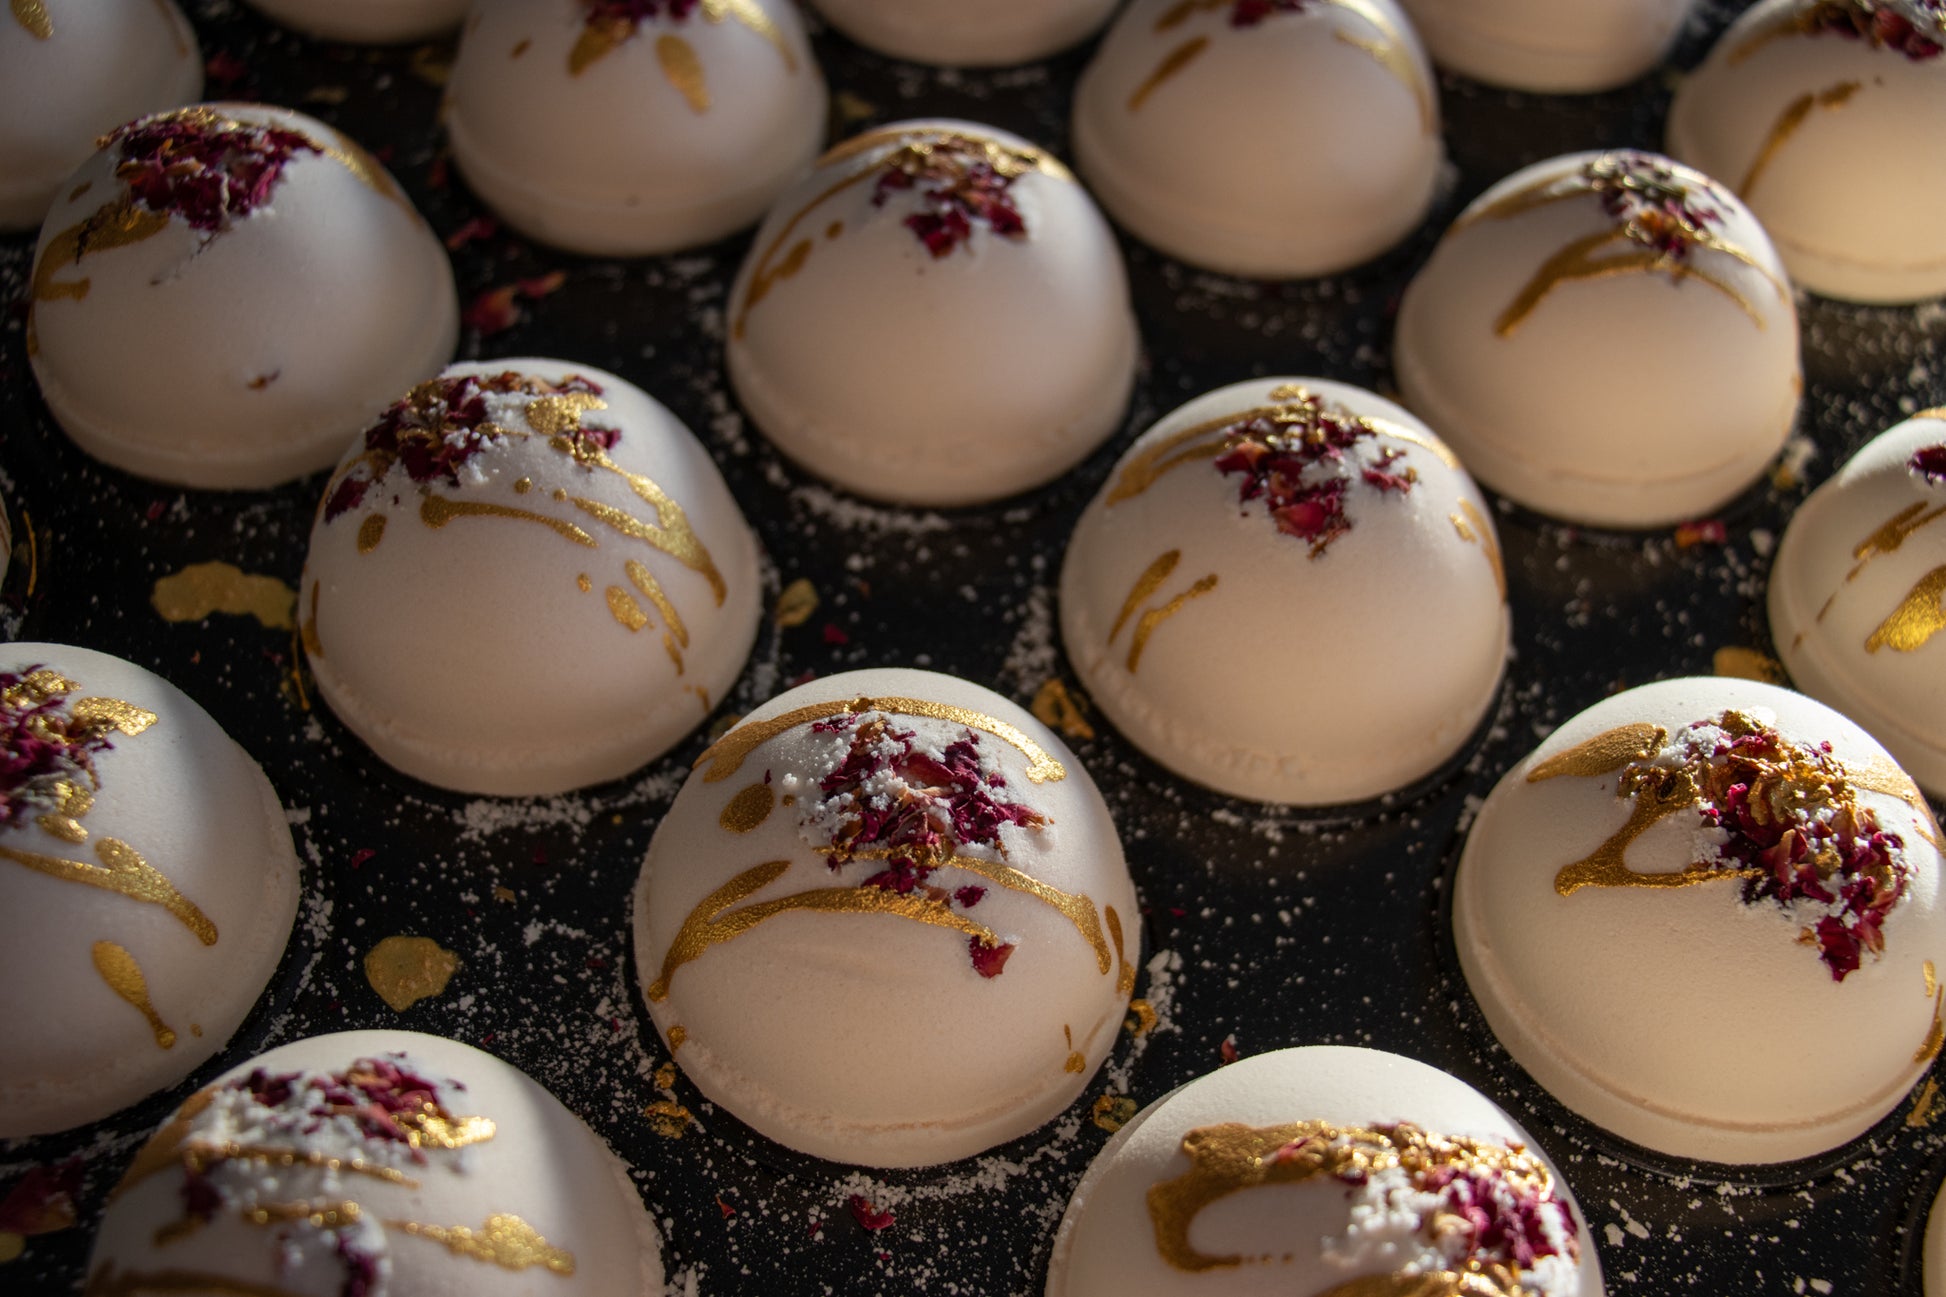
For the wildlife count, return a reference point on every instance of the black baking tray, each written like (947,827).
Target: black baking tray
(1263,927)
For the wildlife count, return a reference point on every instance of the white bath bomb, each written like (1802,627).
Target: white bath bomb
(966,32)
(1550,48)
(370,22)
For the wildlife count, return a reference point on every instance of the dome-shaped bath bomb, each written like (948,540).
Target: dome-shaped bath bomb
(1606,338)
(627,127)
(72,70)
(966,32)
(1327,1170)
(1706,915)
(938,315)
(1858,594)
(147,886)
(1549,48)
(225,294)
(887,921)
(527,576)
(1289,590)
(1273,138)
(1826,115)
(377,1162)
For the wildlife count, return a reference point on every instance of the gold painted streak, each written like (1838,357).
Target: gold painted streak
(1389,52)
(713,922)
(122,870)
(724,757)
(107,1281)
(1076,1062)
(124,977)
(1795,114)
(370,533)
(436,511)
(671,532)
(1604,754)
(751,15)
(623,608)
(1172,63)
(32,15)
(1893,534)
(1936,1033)
(1888,779)
(1473,527)
(683,70)
(1125,979)
(73,801)
(556,415)
(204,588)
(1776,25)
(596,42)
(1573,264)
(1919,616)
(1145,586)
(678,1037)
(365,169)
(1154,617)
(115,225)
(644,580)
(1076,908)
(748,809)
(1937,412)
(505,1241)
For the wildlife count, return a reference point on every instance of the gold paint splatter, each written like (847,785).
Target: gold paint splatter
(678,1036)
(1142,1020)
(725,757)
(597,41)
(748,809)
(406,970)
(1061,709)
(124,977)
(796,604)
(523,486)
(751,15)
(1075,1062)
(582,583)
(308,632)
(506,1241)
(205,588)
(371,532)
(1113,1111)
(115,225)
(668,1118)
(1604,754)
(1925,1106)
(1919,616)
(1747,664)
(32,15)
(623,608)
(683,69)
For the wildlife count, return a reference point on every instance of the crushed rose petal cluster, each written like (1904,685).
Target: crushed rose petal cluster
(960,181)
(42,746)
(1293,458)
(1789,820)
(912,808)
(441,424)
(207,169)
(629,14)
(1929,462)
(1914,28)
(1654,206)
(1248,13)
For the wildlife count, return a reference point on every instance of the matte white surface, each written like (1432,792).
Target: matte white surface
(870,1038)
(467,654)
(201,813)
(1547,46)
(1682,1018)
(374,22)
(966,33)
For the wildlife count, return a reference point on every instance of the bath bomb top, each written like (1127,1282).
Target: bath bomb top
(887,921)
(527,576)
(1547,47)
(938,315)
(72,70)
(1857,589)
(1289,590)
(371,22)
(1271,138)
(147,886)
(1607,338)
(966,32)
(225,294)
(627,127)
(1325,1169)
(1706,915)
(1825,115)
(387,1163)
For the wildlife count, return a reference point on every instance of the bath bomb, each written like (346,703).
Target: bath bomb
(888,921)
(628,127)
(1270,138)
(1607,338)
(517,530)
(370,22)
(938,315)
(225,294)
(1328,1170)
(147,886)
(376,1162)
(1825,116)
(1858,594)
(1705,914)
(1289,590)
(72,70)
(1549,48)
(966,32)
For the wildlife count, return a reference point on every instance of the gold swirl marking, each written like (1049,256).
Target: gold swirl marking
(623,608)
(506,1241)
(1577,263)
(124,977)
(1603,754)
(596,42)
(558,416)
(1894,533)
(1795,114)
(1474,527)
(436,511)
(1154,617)
(1076,1062)
(726,756)
(751,15)
(1125,979)
(1145,586)
(117,225)
(1077,909)
(683,69)
(748,809)
(370,533)
(671,532)
(122,870)
(1919,616)
(1172,63)
(32,15)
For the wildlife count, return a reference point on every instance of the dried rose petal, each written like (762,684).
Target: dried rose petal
(1248,13)
(1709,531)
(1929,462)
(42,1201)
(868,1216)
(1914,28)
(493,311)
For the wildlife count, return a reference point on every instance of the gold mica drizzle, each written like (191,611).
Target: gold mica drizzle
(406,970)
(1154,617)
(1742,663)
(204,588)
(1473,528)
(1125,978)
(1604,754)
(750,14)
(124,977)
(1919,616)
(623,608)
(122,869)
(1788,122)
(1577,263)
(308,632)
(32,15)
(726,756)
(371,532)
(436,511)
(1076,1062)
(72,802)
(116,225)
(1936,1032)
(671,531)
(1172,63)
(748,809)
(505,1241)
(1145,586)
(683,69)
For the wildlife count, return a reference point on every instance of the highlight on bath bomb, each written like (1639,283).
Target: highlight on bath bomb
(967,33)
(368,22)
(1549,48)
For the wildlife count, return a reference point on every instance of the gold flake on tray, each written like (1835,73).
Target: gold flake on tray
(1742,663)
(796,604)
(1925,1106)
(405,970)
(668,1118)
(1142,1018)
(200,589)
(1111,1112)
